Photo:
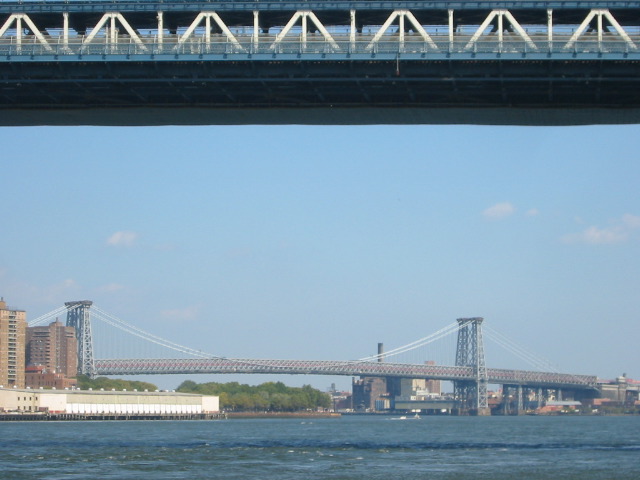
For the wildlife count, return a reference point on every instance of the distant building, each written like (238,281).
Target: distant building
(367,391)
(418,394)
(553,406)
(433,386)
(87,402)
(387,393)
(53,347)
(406,388)
(12,345)
(622,390)
(342,401)
(37,376)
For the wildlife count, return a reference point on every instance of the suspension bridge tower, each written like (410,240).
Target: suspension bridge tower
(79,318)
(471,395)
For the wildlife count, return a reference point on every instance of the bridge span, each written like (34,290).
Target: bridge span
(349,368)
(152,62)
(470,375)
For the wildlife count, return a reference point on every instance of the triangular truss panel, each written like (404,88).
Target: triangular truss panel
(108,23)
(600,15)
(19,19)
(303,16)
(500,16)
(206,18)
(401,16)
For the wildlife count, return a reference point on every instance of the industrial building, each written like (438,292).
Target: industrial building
(13,323)
(379,394)
(95,403)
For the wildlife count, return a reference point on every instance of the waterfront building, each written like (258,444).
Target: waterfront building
(386,393)
(53,347)
(367,391)
(95,403)
(622,390)
(37,376)
(433,386)
(13,323)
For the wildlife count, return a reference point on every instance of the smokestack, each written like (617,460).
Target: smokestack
(380,352)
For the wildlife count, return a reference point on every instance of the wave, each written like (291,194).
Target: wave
(408,445)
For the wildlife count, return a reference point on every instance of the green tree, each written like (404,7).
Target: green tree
(274,396)
(85,383)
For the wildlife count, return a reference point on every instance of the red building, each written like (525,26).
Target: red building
(51,356)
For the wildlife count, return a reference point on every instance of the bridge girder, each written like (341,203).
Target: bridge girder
(280,63)
(346,368)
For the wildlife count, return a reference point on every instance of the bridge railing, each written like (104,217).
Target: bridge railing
(31,45)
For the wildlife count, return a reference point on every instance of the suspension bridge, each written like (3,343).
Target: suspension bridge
(470,374)
(151,62)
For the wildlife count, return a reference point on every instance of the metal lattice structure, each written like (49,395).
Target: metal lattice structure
(78,317)
(471,395)
(277,62)
(348,368)
(470,375)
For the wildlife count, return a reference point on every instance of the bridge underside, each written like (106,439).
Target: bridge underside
(279,89)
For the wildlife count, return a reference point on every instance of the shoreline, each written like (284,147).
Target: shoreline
(231,415)
(68,417)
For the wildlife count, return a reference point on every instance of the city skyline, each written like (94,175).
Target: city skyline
(319,242)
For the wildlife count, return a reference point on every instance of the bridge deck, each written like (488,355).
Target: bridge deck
(234,62)
(349,368)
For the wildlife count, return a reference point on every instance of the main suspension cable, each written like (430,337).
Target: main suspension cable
(443,332)
(133,330)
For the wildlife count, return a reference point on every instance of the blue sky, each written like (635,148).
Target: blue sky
(318,242)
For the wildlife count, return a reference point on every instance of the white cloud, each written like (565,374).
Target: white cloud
(597,236)
(631,221)
(618,232)
(122,239)
(532,212)
(499,210)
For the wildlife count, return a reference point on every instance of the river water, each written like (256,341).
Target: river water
(351,447)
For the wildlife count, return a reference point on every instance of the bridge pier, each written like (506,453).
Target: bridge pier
(520,402)
(520,399)
(515,400)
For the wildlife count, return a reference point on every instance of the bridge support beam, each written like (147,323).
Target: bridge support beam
(514,399)
(471,396)
(78,317)
(520,404)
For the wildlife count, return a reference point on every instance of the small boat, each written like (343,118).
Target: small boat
(404,417)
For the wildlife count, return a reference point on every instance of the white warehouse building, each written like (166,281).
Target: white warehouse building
(88,402)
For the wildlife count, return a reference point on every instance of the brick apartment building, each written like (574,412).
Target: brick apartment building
(13,324)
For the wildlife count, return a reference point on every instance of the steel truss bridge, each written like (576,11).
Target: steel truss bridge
(349,368)
(150,62)
(469,375)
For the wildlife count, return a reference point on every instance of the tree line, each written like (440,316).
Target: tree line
(85,383)
(269,396)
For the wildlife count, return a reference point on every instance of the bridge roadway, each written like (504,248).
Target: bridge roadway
(348,368)
(147,62)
